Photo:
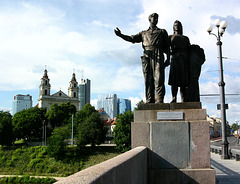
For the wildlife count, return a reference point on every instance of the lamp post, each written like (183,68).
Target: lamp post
(72,130)
(221,26)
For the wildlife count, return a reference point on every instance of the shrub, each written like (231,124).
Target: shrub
(6,128)
(56,144)
(27,179)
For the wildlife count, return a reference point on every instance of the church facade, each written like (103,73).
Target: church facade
(46,100)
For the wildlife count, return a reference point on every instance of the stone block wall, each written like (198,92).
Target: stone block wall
(127,168)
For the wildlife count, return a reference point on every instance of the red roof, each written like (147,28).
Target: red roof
(112,122)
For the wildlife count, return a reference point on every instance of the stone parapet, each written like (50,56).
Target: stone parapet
(132,168)
(127,168)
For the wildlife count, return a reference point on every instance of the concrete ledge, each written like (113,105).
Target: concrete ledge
(186,105)
(170,106)
(127,168)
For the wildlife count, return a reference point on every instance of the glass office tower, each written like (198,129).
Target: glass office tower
(123,105)
(109,103)
(84,92)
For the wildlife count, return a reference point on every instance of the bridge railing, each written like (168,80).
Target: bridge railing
(127,168)
(233,153)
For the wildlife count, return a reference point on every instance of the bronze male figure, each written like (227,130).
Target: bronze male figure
(155,43)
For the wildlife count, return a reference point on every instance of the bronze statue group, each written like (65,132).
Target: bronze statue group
(185,62)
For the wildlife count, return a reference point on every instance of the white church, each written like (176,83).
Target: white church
(46,100)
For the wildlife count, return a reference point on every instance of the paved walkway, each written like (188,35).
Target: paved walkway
(227,171)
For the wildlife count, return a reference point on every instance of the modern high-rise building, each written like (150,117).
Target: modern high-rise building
(109,103)
(21,102)
(84,92)
(123,105)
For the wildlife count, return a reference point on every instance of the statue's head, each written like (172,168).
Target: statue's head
(177,27)
(153,18)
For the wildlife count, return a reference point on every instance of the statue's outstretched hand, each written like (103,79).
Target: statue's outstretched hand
(117,31)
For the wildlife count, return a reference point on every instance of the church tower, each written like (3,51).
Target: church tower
(44,88)
(73,87)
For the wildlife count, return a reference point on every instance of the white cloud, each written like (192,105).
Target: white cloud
(46,33)
(28,38)
(77,43)
(232,84)
(94,103)
(127,79)
(209,88)
(134,101)
(100,24)
(233,113)
(204,106)
(32,37)
(5,109)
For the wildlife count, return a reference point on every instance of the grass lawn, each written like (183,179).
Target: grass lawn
(35,161)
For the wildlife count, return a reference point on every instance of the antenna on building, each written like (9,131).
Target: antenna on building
(45,67)
(82,74)
(73,70)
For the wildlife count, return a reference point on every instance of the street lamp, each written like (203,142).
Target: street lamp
(221,26)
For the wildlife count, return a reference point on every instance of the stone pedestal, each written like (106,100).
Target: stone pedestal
(177,136)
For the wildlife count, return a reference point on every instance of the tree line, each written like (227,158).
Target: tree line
(88,127)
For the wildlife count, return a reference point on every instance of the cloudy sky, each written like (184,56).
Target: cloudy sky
(77,35)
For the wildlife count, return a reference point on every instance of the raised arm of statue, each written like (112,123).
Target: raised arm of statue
(124,37)
(117,31)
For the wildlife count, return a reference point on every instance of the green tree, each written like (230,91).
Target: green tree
(56,143)
(86,111)
(235,126)
(27,124)
(60,115)
(91,131)
(6,129)
(82,115)
(90,127)
(122,131)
